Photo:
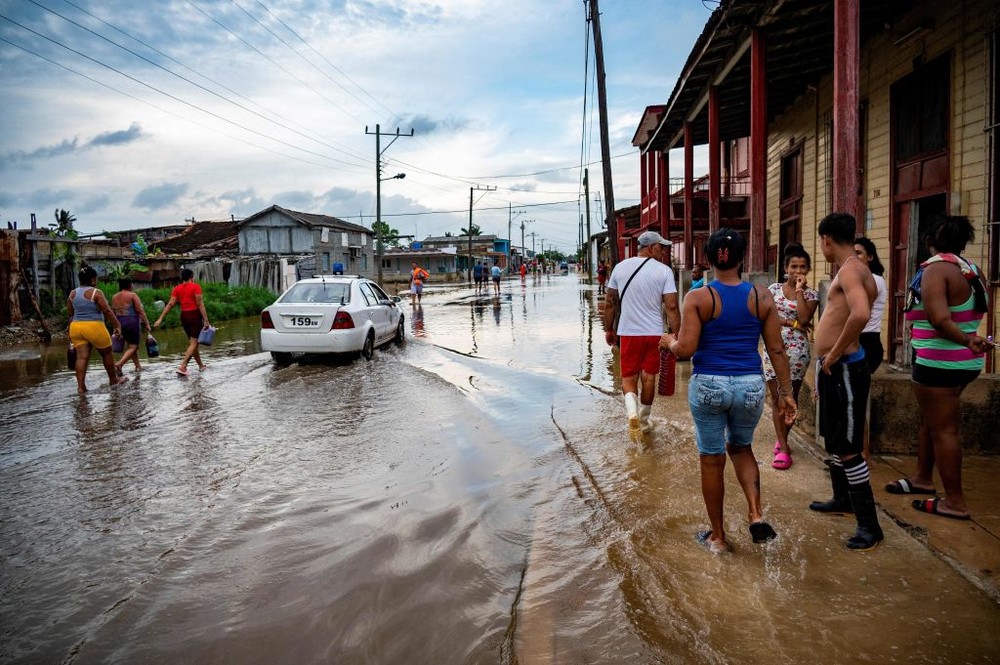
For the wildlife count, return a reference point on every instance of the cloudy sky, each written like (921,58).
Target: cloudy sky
(135,114)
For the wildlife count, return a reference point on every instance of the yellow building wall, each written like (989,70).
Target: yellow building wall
(960,27)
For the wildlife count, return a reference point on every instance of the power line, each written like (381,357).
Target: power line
(171,96)
(322,57)
(197,85)
(187,67)
(160,108)
(271,60)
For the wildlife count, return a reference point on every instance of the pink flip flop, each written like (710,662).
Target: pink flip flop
(182,372)
(782,461)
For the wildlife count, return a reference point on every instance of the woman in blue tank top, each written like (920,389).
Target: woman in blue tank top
(721,326)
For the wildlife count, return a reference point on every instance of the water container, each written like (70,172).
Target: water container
(668,373)
(207,336)
(117,343)
(71,356)
(152,347)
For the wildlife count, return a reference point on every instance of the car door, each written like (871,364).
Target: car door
(376,312)
(389,308)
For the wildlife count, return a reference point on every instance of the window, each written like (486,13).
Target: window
(921,103)
(379,293)
(369,295)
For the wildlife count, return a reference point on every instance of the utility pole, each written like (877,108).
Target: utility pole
(602,103)
(378,188)
(473,189)
(523,248)
(510,219)
(586,192)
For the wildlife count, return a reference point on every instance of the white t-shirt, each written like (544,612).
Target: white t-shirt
(642,306)
(878,307)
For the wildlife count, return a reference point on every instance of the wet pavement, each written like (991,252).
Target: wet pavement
(469,497)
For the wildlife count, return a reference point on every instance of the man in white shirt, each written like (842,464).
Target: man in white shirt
(639,290)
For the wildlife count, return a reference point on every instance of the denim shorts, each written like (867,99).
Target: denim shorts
(725,409)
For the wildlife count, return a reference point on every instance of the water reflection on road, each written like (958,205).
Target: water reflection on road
(465,498)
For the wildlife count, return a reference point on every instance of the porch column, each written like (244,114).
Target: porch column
(644,182)
(714,171)
(663,192)
(846,153)
(688,196)
(758,154)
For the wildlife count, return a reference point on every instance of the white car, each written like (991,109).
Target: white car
(331,314)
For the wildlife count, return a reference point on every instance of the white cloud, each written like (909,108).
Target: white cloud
(489,90)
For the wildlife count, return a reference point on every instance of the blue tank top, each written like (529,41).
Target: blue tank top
(729,343)
(84,309)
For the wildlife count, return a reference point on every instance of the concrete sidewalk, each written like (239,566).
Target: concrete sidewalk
(971,547)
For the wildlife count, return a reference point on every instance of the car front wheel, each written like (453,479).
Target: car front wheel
(400,332)
(368,350)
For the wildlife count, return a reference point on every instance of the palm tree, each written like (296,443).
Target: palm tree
(473,230)
(64,222)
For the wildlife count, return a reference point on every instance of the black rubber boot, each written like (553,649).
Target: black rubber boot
(869,533)
(841,501)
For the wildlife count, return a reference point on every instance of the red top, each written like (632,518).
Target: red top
(185,294)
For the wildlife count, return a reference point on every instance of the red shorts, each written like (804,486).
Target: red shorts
(640,352)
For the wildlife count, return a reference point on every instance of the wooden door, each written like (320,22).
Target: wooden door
(898,282)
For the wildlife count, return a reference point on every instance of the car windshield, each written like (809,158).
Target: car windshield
(330,293)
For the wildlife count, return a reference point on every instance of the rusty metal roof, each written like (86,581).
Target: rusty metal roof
(799,50)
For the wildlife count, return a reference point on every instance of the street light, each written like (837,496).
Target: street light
(378,218)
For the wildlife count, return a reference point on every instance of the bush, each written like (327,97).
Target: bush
(221,302)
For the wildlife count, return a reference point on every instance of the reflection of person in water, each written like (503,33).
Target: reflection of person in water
(418,320)
(496,309)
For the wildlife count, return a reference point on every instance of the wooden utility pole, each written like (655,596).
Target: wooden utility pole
(602,104)
(586,193)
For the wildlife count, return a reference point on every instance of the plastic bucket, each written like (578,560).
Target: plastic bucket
(206,336)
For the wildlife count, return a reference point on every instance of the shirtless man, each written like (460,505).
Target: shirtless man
(843,380)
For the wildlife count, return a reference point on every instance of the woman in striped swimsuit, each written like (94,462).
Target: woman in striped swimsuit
(948,303)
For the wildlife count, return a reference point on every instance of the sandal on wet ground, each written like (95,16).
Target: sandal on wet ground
(904,486)
(705,538)
(782,461)
(932,507)
(761,532)
(182,372)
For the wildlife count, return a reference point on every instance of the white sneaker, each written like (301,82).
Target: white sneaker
(644,422)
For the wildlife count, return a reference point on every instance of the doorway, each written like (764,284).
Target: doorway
(912,218)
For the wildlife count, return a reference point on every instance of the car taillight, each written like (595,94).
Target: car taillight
(342,321)
(265,321)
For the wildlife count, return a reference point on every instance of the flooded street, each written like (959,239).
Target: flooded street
(468,497)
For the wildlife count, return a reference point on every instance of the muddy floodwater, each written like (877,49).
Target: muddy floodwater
(468,497)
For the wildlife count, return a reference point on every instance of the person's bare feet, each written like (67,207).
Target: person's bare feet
(119,380)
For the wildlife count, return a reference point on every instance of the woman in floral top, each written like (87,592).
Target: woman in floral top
(796,304)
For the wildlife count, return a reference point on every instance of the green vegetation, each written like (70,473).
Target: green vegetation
(221,302)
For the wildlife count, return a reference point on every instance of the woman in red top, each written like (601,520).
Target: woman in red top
(194,318)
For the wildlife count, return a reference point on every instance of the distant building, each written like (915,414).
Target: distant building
(435,261)
(330,243)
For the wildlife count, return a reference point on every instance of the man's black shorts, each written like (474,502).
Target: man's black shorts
(843,398)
